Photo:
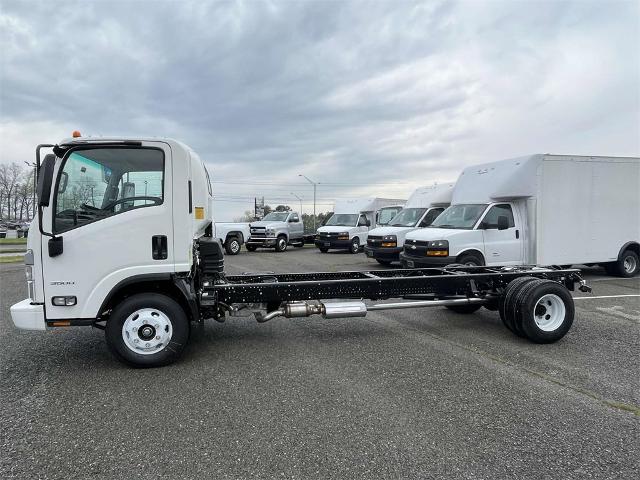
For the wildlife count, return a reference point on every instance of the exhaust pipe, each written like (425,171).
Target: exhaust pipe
(355,309)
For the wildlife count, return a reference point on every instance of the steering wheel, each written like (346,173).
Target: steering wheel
(109,206)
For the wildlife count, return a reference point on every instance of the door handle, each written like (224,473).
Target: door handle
(159,247)
(517,233)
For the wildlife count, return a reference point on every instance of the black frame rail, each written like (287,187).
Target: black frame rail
(444,282)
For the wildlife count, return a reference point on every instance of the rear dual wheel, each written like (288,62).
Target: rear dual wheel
(539,310)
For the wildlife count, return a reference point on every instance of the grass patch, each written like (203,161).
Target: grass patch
(13,241)
(12,259)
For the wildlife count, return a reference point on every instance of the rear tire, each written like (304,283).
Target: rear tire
(505,306)
(626,267)
(250,248)
(232,246)
(355,245)
(147,330)
(471,260)
(545,311)
(281,243)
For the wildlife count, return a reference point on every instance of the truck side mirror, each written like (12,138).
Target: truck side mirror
(45,179)
(503,222)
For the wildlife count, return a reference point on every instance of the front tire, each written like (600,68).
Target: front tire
(232,246)
(386,263)
(250,248)
(147,330)
(355,245)
(281,243)
(323,249)
(471,260)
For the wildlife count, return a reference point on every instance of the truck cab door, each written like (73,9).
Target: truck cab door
(362,228)
(502,236)
(296,228)
(111,210)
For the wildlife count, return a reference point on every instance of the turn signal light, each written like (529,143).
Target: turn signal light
(389,244)
(69,301)
(437,253)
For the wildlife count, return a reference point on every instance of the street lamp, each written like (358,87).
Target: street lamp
(299,200)
(314,198)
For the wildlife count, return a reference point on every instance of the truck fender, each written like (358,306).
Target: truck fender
(475,251)
(633,246)
(166,283)
(235,233)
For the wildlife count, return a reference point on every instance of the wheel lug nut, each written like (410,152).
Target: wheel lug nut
(147,344)
(135,340)
(157,337)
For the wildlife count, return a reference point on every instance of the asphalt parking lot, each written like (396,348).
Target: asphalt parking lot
(406,394)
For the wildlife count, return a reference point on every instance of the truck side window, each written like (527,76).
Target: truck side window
(431,216)
(491,218)
(362,221)
(101,182)
(294,218)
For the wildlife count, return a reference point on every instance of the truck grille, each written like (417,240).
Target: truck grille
(374,241)
(258,232)
(415,248)
(328,235)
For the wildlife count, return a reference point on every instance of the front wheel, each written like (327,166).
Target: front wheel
(626,267)
(470,260)
(281,243)
(323,249)
(147,330)
(250,248)
(383,262)
(355,245)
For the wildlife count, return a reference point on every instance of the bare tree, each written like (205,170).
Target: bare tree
(9,178)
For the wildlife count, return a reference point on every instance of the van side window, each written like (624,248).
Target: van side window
(491,218)
(430,217)
(294,218)
(362,221)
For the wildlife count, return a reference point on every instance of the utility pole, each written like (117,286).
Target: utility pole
(300,200)
(314,198)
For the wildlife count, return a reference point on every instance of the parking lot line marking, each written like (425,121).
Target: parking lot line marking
(607,296)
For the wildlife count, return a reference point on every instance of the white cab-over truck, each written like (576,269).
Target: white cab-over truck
(423,207)
(538,210)
(277,230)
(123,242)
(348,227)
(232,235)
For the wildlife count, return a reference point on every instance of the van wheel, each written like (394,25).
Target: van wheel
(471,260)
(627,266)
(232,246)
(281,243)
(250,248)
(147,330)
(545,311)
(383,262)
(355,245)
(323,249)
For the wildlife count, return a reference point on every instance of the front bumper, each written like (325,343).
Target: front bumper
(425,261)
(388,254)
(333,243)
(262,242)
(27,316)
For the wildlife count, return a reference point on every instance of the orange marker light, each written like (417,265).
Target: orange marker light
(76,134)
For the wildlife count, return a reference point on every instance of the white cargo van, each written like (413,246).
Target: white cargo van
(538,209)
(423,207)
(348,227)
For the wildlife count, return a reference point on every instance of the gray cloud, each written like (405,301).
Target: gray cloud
(393,93)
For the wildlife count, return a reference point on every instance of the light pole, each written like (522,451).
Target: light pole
(300,200)
(314,198)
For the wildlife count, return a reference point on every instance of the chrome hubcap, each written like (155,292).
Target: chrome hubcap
(549,312)
(235,246)
(629,264)
(147,331)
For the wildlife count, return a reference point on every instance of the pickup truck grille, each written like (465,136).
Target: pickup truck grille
(415,248)
(328,235)
(258,232)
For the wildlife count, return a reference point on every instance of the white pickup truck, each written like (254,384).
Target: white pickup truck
(232,235)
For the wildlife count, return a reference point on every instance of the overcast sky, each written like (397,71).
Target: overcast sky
(367,98)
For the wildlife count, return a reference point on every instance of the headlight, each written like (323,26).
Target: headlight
(343,236)
(28,271)
(270,232)
(390,241)
(438,248)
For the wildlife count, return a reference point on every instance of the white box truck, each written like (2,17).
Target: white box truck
(540,209)
(348,227)
(423,207)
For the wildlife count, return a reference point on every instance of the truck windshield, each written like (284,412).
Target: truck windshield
(387,214)
(100,182)
(459,216)
(407,217)
(276,217)
(343,220)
